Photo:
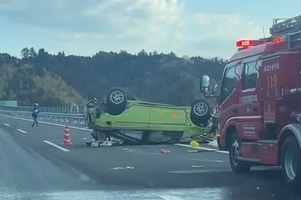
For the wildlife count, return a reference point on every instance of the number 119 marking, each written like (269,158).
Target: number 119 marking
(272,81)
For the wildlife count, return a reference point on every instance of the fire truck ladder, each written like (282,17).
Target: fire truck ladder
(290,27)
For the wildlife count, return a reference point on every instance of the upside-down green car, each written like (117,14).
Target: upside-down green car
(140,122)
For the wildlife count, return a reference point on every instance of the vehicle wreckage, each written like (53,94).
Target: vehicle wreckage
(134,122)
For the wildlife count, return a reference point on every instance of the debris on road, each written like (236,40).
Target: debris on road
(164,151)
(194,143)
(107,143)
(127,167)
(195,151)
(213,143)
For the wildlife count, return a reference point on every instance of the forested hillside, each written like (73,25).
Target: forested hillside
(59,79)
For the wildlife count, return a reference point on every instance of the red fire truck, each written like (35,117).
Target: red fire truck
(259,102)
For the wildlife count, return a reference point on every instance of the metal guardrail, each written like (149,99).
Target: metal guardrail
(75,119)
(60,109)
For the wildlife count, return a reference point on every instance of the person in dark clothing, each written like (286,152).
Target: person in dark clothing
(35,112)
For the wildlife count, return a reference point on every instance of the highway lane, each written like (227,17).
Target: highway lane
(99,170)
(24,173)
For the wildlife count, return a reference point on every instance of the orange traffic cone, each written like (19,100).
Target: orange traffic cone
(67,141)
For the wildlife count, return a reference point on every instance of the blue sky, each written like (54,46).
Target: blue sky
(186,27)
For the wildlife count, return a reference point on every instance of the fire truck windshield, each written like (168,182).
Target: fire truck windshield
(250,75)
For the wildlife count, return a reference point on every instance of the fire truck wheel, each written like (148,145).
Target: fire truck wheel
(291,161)
(116,101)
(236,165)
(200,113)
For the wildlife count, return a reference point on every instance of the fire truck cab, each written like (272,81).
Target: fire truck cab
(259,102)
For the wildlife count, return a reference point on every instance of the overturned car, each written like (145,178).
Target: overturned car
(140,122)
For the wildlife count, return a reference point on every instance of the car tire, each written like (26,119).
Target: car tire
(234,151)
(200,113)
(291,162)
(116,101)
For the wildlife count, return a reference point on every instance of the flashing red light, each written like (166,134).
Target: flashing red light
(277,40)
(244,43)
(248,43)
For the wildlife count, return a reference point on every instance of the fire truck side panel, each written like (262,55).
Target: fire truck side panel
(290,69)
(273,76)
(278,71)
(249,150)
(289,77)
(248,127)
(269,86)
(268,152)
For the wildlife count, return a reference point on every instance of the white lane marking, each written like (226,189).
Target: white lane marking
(206,160)
(56,146)
(169,197)
(218,161)
(191,171)
(6,124)
(197,166)
(226,152)
(202,148)
(49,123)
(128,150)
(198,171)
(20,130)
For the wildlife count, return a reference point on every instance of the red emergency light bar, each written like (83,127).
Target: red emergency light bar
(248,43)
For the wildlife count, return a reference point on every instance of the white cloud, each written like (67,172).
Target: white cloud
(223,26)
(162,25)
(220,32)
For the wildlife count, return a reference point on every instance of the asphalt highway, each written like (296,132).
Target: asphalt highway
(34,165)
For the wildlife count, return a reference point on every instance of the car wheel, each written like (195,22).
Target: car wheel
(116,102)
(291,161)
(200,113)
(116,97)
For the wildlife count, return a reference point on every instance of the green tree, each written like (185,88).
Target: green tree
(25,53)
(66,79)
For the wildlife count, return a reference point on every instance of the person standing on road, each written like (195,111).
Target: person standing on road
(35,112)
